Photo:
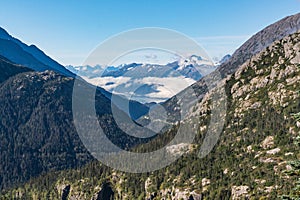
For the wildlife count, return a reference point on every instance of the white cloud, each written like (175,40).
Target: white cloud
(166,87)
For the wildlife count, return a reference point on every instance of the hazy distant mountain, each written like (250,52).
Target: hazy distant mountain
(87,71)
(146,82)
(225,59)
(186,67)
(29,56)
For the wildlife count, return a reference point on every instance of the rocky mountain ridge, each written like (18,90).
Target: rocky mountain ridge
(29,56)
(251,47)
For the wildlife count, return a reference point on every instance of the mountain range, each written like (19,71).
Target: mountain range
(147,83)
(256,156)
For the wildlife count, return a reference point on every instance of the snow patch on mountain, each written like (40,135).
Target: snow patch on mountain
(147,82)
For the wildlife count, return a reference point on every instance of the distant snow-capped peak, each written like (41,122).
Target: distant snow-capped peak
(193,60)
(148,82)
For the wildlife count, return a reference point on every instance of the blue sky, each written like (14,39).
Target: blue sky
(69,30)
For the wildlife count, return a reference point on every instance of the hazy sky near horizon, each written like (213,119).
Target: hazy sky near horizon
(69,30)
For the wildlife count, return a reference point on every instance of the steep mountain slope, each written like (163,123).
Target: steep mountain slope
(37,131)
(250,161)
(29,56)
(260,41)
(9,69)
(255,44)
(36,127)
(14,52)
